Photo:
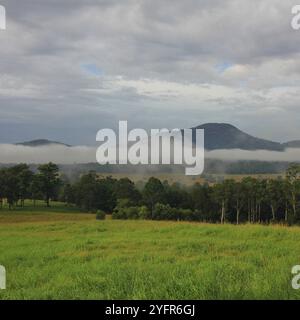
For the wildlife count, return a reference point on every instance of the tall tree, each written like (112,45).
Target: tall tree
(153,193)
(274,195)
(24,178)
(126,189)
(49,180)
(222,194)
(239,199)
(293,176)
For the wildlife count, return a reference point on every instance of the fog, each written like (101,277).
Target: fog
(56,153)
(289,155)
(82,154)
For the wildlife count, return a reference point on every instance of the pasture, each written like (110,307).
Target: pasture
(59,253)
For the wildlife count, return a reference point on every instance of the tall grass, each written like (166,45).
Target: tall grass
(58,255)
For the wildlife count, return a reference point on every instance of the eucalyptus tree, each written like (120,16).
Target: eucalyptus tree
(222,193)
(293,177)
(274,195)
(239,198)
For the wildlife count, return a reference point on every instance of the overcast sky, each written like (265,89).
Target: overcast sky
(70,67)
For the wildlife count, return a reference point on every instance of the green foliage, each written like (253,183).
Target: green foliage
(126,213)
(250,200)
(164,212)
(153,193)
(144,213)
(92,193)
(48,180)
(100,215)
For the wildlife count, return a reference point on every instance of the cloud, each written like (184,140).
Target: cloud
(14,154)
(289,155)
(55,153)
(167,64)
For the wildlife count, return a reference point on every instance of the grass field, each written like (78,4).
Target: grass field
(58,253)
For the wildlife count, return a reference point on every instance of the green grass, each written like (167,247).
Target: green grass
(57,253)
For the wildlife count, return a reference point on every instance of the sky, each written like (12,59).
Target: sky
(69,68)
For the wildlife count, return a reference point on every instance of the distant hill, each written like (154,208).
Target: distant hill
(226,136)
(41,143)
(217,136)
(292,144)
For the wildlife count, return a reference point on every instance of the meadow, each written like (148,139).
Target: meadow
(60,253)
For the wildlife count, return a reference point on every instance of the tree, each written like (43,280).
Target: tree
(24,178)
(238,198)
(92,193)
(250,193)
(35,189)
(153,193)
(126,189)
(176,196)
(222,194)
(293,176)
(10,191)
(274,195)
(49,180)
(261,187)
(202,201)
(67,194)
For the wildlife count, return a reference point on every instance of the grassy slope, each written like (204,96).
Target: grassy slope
(52,255)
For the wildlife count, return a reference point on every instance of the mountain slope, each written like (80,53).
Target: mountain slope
(226,136)
(292,144)
(40,143)
(217,136)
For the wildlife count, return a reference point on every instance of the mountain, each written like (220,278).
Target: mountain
(226,136)
(217,136)
(41,143)
(292,144)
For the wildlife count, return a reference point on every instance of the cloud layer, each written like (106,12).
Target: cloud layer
(69,68)
(81,154)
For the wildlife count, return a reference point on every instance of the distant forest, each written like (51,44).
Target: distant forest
(74,171)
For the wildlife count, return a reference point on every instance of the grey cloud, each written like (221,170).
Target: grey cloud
(49,95)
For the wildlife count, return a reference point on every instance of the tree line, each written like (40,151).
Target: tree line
(251,200)
(18,183)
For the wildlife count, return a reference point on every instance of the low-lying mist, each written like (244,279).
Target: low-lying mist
(82,154)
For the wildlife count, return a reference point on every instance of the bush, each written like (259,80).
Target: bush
(126,213)
(100,215)
(132,213)
(186,215)
(144,213)
(119,213)
(163,212)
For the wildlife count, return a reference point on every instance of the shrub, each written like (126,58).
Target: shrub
(123,203)
(144,213)
(132,212)
(119,213)
(186,215)
(100,215)
(163,212)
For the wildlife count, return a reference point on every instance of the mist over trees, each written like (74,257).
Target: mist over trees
(250,200)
